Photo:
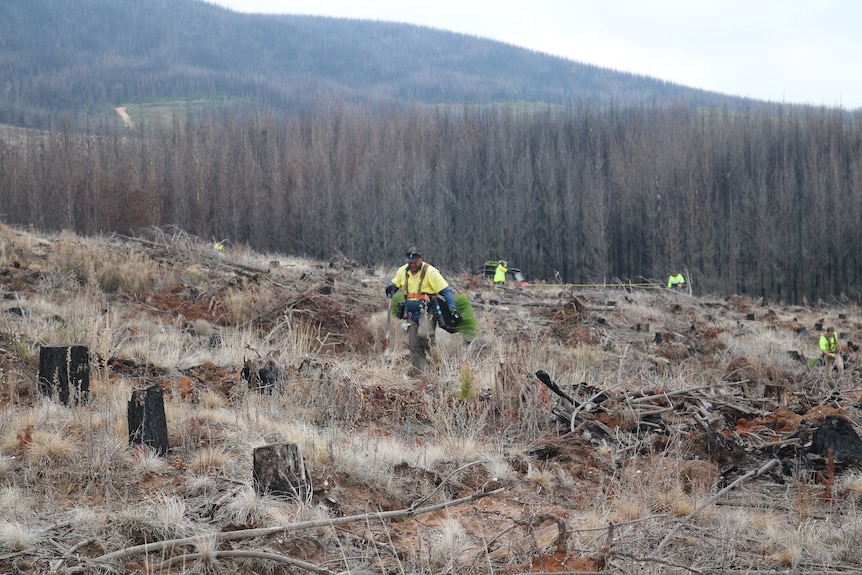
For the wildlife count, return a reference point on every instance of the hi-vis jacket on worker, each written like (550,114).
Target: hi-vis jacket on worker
(418,286)
(676,281)
(829,344)
(500,272)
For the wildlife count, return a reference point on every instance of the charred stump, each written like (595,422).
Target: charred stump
(263,377)
(280,470)
(836,434)
(64,372)
(147,423)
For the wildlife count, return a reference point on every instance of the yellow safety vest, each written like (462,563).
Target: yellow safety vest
(829,344)
(426,280)
(500,274)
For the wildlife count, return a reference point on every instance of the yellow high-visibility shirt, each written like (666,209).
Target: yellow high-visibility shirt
(829,344)
(407,282)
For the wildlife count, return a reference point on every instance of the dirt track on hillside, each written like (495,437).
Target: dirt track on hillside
(127,119)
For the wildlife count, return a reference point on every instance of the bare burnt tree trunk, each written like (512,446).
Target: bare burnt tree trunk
(763,201)
(280,470)
(147,423)
(64,372)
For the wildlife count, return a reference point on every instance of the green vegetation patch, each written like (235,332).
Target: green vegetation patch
(162,111)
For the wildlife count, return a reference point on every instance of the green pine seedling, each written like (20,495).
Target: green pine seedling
(466,389)
(393,303)
(468,323)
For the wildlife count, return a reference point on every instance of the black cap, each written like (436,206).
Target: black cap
(413,254)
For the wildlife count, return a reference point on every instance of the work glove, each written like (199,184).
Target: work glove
(391,289)
(455,318)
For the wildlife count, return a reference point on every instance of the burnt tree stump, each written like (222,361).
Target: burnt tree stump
(836,434)
(280,470)
(147,423)
(64,372)
(264,378)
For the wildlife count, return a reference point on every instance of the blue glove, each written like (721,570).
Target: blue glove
(391,289)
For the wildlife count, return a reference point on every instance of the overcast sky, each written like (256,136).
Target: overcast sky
(792,51)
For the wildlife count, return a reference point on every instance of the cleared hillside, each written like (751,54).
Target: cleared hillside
(693,431)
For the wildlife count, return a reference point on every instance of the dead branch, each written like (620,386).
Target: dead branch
(579,408)
(750,475)
(659,561)
(604,552)
(250,554)
(781,443)
(535,540)
(263,531)
(562,529)
(443,482)
(649,398)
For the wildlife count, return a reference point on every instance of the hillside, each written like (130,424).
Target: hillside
(188,53)
(695,441)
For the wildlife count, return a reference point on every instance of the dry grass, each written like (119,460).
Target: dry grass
(244,305)
(211,461)
(543,479)
(128,271)
(851,484)
(447,545)
(372,438)
(17,536)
